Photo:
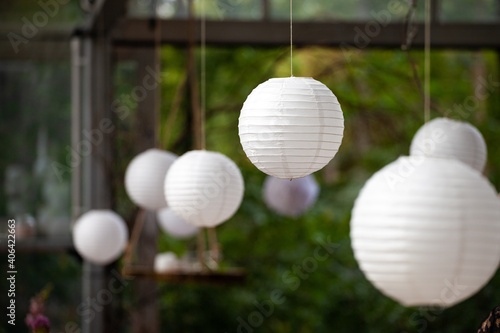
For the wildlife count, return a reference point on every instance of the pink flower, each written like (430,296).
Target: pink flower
(37,306)
(30,319)
(38,323)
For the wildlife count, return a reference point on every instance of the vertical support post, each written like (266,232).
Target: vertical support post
(91,98)
(82,188)
(77,60)
(91,112)
(435,11)
(498,10)
(91,179)
(145,316)
(266,10)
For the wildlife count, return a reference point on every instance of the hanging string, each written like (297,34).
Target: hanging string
(214,249)
(427,62)
(213,244)
(291,38)
(155,23)
(203,75)
(198,122)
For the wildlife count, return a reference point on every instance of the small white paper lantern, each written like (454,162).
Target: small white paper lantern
(145,176)
(290,197)
(427,231)
(166,262)
(204,188)
(100,236)
(447,138)
(291,127)
(174,225)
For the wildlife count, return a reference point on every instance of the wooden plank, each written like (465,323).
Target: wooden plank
(41,244)
(361,35)
(222,277)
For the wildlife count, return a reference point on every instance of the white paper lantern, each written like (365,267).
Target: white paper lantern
(100,236)
(447,138)
(291,127)
(426,231)
(166,262)
(290,197)
(204,188)
(174,225)
(145,176)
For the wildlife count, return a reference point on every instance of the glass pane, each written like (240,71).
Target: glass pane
(35,125)
(41,13)
(480,11)
(230,9)
(161,8)
(324,10)
(213,9)
(35,115)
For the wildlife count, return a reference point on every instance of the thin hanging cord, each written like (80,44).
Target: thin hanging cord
(211,232)
(214,249)
(203,74)
(157,63)
(427,62)
(291,38)
(200,249)
(194,80)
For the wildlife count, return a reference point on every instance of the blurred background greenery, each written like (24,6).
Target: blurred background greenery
(383,107)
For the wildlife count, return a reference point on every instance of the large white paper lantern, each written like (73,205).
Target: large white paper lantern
(204,188)
(174,225)
(290,197)
(291,127)
(100,236)
(447,138)
(427,231)
(145,176)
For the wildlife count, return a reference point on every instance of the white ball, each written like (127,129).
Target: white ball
(174,225)
(204,188)
(447,138)
(145,176)
(290,197)
(100,236)
(426,231)
(291,127)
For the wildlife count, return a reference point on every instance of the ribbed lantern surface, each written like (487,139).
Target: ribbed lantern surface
(427,231)
(204,188)
(447,138)
(291,127)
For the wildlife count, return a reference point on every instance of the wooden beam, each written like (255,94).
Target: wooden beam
(362,35)
(49,44)
(55,244)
